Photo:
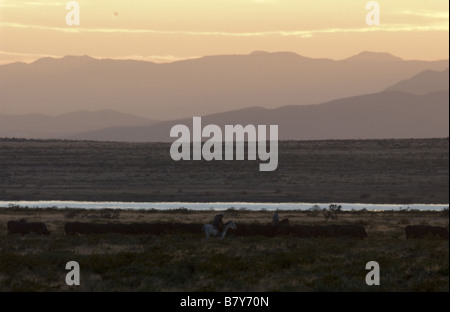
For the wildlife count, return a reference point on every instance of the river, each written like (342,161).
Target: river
(216,205)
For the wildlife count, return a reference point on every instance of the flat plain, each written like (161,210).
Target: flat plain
(352,171)
(369,171)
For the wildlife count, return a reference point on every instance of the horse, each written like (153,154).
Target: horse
(210,229)
(284,222)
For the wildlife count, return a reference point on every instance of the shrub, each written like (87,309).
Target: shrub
(332,212)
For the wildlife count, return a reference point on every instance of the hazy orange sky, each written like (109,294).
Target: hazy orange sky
(167,30)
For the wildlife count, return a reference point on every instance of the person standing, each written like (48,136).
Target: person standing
(275,218)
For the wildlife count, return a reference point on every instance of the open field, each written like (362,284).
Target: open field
(356,171)
(353,171)
(187,262)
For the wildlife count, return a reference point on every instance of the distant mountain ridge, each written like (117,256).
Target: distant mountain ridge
(424,82)
(207,85)
(45,126)
(367,56)
(420,113)
(415,105)
(390,114)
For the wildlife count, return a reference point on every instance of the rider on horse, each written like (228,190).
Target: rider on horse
(217,222)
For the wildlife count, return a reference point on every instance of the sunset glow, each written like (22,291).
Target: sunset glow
(168,30)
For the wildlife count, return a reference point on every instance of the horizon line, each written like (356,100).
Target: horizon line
(168,59)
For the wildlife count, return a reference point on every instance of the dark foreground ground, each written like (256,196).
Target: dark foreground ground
(183,262)
(363,171)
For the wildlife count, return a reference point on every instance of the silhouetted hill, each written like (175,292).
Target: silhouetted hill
(424,82)
(207,85)
(392,114)
(39,126)
(367,56)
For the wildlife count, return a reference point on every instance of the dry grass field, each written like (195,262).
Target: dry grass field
(187,262)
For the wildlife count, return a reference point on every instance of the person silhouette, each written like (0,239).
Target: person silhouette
(275,218)
(217,222)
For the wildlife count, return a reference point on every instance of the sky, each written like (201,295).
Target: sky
(170,30)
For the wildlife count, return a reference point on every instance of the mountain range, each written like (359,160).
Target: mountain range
(207,85)
(369,95)
(64,125)
(391,114)
(424,82)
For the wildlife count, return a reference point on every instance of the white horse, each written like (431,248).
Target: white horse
(210,229)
